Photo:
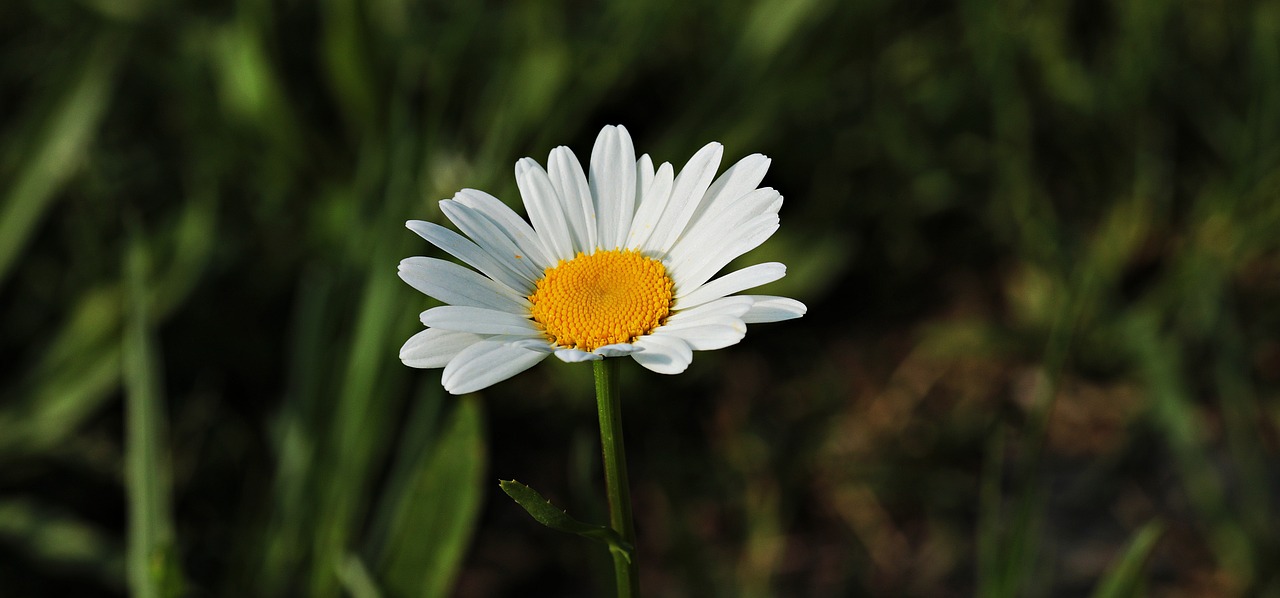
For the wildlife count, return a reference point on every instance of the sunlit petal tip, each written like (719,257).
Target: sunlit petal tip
(720,310)
(531,344)
(576,356)
(734,282)
(709,333)
(664,354)
(768,308)
(484,364)
(479,320)
(433,348)
(618,350)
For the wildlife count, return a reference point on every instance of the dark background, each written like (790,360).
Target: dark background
(1039,242)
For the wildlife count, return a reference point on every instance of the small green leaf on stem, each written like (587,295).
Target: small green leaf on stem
(547,514)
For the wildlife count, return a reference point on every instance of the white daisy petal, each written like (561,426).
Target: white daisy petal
(433,348)
(651,207)
(491,237)
(530,343)
(700,268)
(686,195)
(544,208)
(768,308)
(740,280)
(613,185)
(618,350)
(466,250)
(728,216)
(739,180)
(708,334)
(711,232)
(732,307)
(576,356)
(644,176)
(456,285)
(486,363)
(570,183)
(664,354)
(479,321)
(509,223)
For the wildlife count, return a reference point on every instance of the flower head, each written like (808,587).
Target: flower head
(617,263)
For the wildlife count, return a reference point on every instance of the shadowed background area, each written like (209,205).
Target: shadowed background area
(1039,242)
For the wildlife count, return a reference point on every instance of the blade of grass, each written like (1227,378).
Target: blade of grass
(61,403)
(1125,577)
(420,436)
(356,580)
(989,507)
(152,568)
(1241,418)
(347,63)
(63,540)
(364,408)
(1020,561)
(1172,410)
(437,512)
(78,371)
(58,151)
(297,435)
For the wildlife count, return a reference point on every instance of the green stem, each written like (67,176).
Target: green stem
(609,403)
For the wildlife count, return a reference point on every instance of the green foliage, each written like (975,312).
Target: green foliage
(1053,220)
(440,505)
(549,515)
(1126,578)
(153,572)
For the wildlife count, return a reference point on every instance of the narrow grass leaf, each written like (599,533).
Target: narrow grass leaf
(418,439)
(65,541)
(297,434)
(356,580)
(437,511)
(57,153)
(152,568)
(1019,554)
(989,503)
(1125,577)
(1161,363)
(59,405)
(364,407)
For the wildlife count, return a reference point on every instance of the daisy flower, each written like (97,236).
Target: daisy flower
(618,261)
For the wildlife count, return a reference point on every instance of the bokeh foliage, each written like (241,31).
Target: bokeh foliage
(1040,242)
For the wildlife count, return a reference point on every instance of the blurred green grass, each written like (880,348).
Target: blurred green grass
(1039,242)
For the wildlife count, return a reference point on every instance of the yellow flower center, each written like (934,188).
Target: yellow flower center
(605,298)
